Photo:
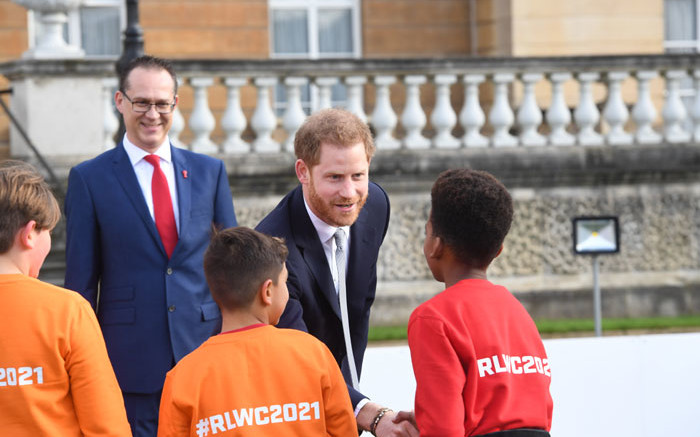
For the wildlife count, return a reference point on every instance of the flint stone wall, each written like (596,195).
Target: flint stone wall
(654,191)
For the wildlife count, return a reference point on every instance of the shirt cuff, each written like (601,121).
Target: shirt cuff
(359,406)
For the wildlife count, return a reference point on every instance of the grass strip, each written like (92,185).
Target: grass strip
(563,326)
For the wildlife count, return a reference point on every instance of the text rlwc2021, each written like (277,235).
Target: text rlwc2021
(517,365)
(14,376)
(258,416)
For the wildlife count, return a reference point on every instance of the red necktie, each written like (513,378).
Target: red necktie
(162,206)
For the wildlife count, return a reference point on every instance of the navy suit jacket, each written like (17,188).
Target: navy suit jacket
(313,303)
(152,310)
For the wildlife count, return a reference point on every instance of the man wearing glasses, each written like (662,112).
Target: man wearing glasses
(138,221)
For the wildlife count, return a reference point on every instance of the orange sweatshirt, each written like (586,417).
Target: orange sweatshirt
(258,381)
(55,375)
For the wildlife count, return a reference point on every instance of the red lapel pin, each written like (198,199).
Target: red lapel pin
(184,174)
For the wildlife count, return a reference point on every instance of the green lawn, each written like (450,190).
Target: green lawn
(566,326)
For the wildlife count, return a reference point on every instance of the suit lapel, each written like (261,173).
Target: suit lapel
(359,265)
(184,191)
(311,249)
(124,173)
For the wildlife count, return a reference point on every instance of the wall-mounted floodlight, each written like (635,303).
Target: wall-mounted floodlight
(596,236)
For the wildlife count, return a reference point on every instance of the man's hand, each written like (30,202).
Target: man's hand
(396,425)
(409,416)
(390,425)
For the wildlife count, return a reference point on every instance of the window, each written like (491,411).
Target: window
(96,27)
(681,26)
(681,36)
(314,29)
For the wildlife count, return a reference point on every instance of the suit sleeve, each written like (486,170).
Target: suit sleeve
(440,379)
(82,239)
(292,317)
(224,215)
(96,395)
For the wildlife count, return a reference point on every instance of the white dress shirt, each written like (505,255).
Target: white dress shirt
(144,173)
(325,234)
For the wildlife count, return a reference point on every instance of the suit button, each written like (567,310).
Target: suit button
(171,308)
(170,270)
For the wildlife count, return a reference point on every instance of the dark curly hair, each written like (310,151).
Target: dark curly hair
(471,212)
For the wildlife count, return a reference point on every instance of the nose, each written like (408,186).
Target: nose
(347,188)
(152,111)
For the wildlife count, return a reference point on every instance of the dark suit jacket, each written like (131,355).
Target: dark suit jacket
(153,311)
(313,302)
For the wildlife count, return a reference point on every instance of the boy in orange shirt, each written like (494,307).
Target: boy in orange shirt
(254,379)
(478,359)
(55,376)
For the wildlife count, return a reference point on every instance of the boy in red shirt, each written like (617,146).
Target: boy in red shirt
(254,379)
(478,359)
(55,375)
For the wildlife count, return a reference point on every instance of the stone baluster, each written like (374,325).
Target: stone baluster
(178,124)
(695,114)
(264,120)
(472,117)
(325,91)
(443,117)
(383,117)
(643,112)
(586,114)
(110,122)
(355,86)
(615,112)
(558,114)
(202,120)
(501,115)
(294,114)
(233,121)
(413,118)
(529,115)
(674,112)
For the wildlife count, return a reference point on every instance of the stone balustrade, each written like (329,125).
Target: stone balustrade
(410,104)
(387,93)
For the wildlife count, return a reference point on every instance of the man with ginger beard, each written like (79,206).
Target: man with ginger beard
(335,210)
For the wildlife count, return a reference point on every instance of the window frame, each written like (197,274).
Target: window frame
(693,44)
(312,7)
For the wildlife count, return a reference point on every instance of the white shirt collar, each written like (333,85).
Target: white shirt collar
(136,153)
(324,230)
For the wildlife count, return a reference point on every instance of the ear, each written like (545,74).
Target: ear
(177,100)
(436,247)
(499,252)
(302,171)
(27,236)
(265,292)
(119,101)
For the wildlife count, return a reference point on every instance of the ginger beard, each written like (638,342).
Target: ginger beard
(337,211)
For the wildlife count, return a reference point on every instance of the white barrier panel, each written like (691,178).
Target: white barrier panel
(640,386)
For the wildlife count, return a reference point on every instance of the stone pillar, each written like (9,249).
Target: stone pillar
(61,109)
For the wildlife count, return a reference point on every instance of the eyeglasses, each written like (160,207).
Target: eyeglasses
(143,107)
